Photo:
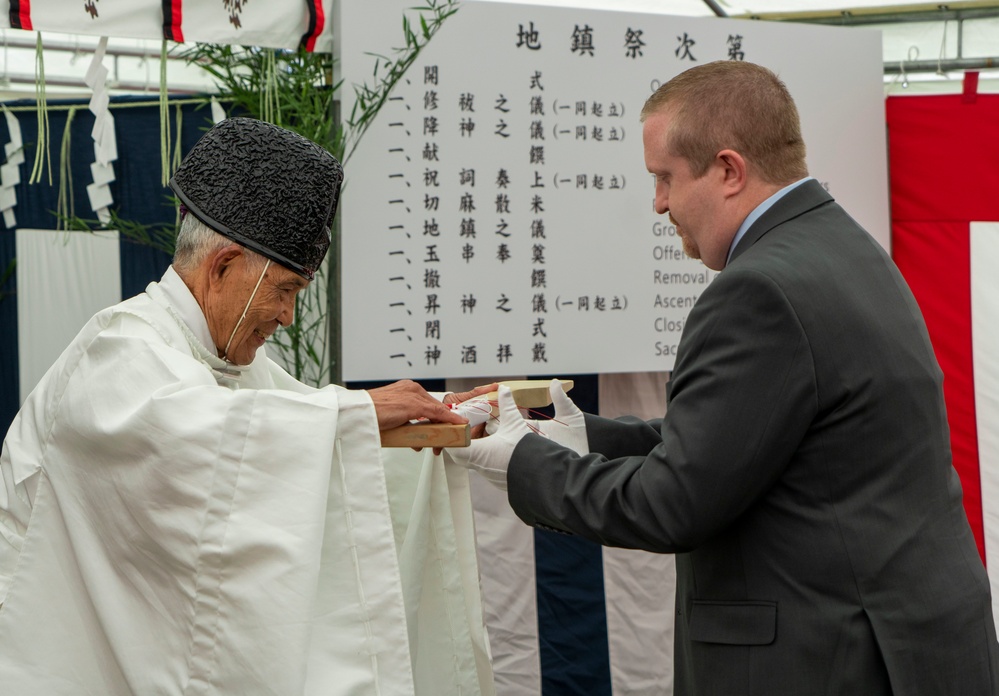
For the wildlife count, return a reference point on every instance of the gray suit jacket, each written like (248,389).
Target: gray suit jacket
(802,475)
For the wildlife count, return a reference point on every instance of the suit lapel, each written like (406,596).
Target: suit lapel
(798,201)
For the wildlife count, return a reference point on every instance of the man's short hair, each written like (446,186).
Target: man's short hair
(733,105)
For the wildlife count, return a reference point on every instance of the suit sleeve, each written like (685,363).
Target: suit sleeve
(741,400)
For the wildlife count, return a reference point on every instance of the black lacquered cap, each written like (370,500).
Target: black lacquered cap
(265,187)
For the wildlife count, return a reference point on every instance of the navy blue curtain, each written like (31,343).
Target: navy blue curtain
(572,613)
(137,191)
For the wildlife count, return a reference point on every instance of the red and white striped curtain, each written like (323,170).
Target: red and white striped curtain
(271,23)
(945,240)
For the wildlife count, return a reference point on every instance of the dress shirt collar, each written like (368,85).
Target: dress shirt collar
(758,211)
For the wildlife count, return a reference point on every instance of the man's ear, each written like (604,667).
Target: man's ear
(733,168)
(222,263)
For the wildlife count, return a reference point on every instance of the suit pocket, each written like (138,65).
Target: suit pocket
(733,623)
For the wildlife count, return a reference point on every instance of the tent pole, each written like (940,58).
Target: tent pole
(716,8)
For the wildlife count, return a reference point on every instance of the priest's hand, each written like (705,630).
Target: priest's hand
(458,397)
(490,456)
(400,402)
(568,427)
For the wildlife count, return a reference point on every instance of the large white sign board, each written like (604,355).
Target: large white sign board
(497,216)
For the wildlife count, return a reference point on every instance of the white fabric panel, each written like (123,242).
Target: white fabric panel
(63,278)
(640,587)
(509,593)
(640,590)
(252,24)
(138,19)
(439,578)
(462,514)
(985,357)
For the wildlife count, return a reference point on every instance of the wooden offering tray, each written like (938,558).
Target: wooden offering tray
(527,393)
(428,435)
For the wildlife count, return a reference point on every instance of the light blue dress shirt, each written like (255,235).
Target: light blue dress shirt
(758,211)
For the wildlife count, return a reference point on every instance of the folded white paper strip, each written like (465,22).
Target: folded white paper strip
(10,173)
(105,143)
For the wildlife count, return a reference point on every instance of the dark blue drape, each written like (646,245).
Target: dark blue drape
(137,192)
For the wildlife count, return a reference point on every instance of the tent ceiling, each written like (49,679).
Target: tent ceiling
(927,38)
(807,9)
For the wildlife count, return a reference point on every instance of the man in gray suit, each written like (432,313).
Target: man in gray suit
(802,474)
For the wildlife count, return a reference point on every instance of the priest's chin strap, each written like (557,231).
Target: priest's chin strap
(225,353)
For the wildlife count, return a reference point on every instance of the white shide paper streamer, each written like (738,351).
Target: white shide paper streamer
(105,143)
(10,171)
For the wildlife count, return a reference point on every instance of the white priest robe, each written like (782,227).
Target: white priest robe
(171,525)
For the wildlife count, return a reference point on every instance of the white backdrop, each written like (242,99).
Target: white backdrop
(63,279)
(498,214)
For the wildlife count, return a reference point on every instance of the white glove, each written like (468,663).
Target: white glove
(490,456)
(568,428)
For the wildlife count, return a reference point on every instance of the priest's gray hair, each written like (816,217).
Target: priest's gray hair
(196,241)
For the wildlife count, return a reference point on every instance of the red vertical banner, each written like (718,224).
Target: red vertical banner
(317,22)
(20,14)
(172,20)
(940,153)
